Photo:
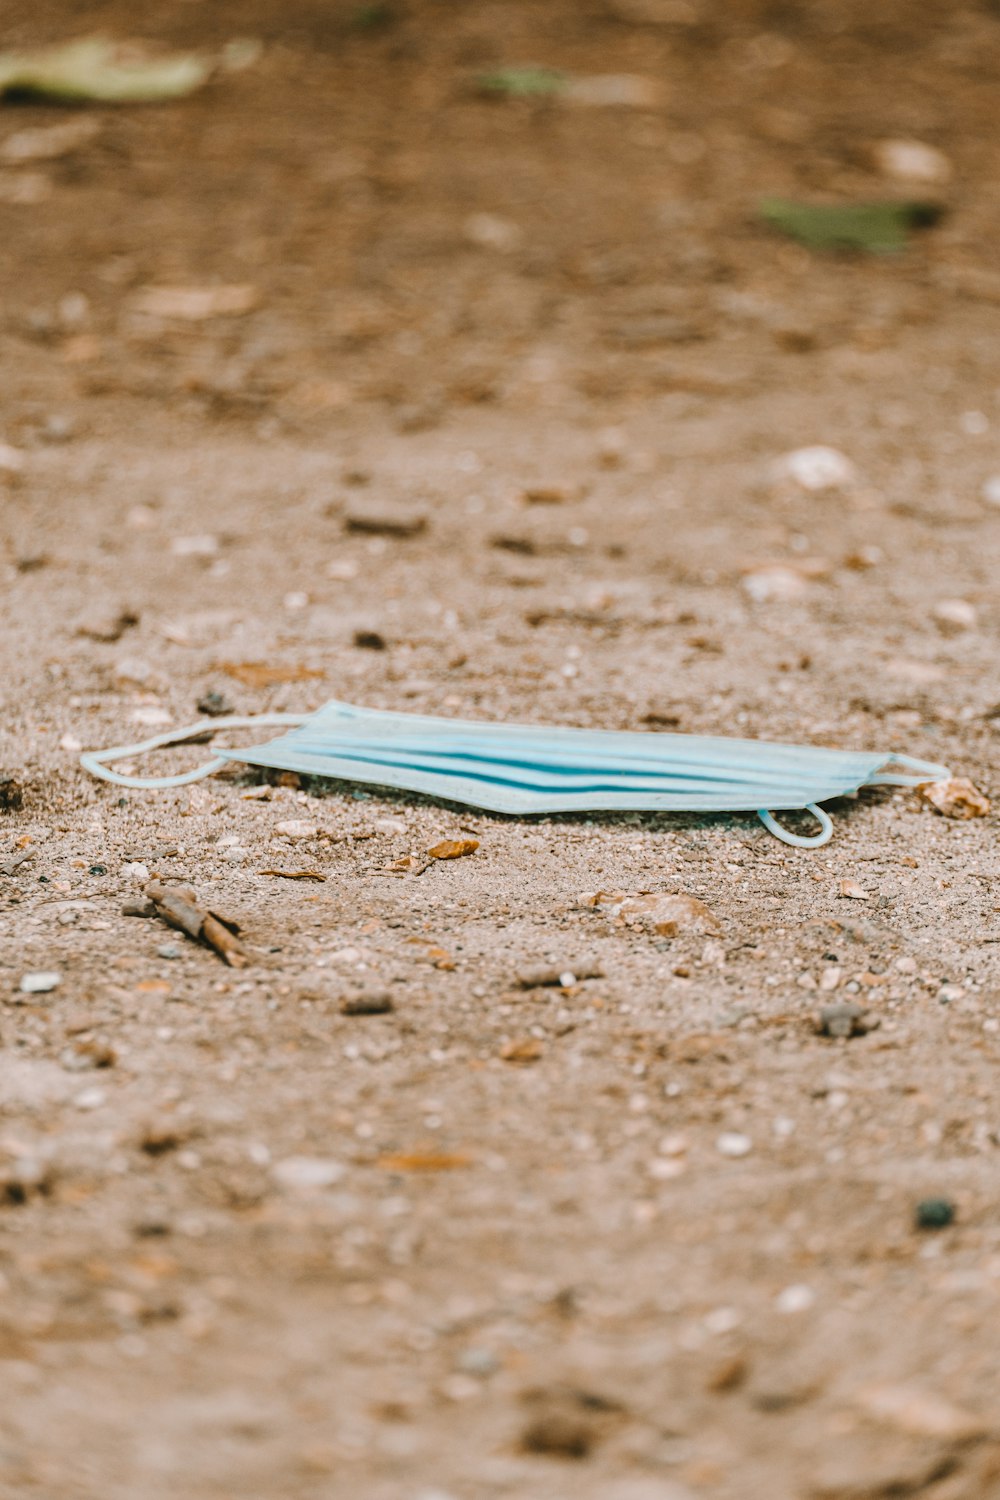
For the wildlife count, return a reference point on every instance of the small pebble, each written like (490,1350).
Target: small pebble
(732,1143)
(305,1174)
(934,1213)
(202,545)
(297,828)
(214,704)
(991,490)
(818,468)
(953,616)
(845,1019)
(795,1299)
(40,982)
(169,950)
(907,160)
(367,1003)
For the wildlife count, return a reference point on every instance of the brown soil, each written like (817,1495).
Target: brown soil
(524,1268)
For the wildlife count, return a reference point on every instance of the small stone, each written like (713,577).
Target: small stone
(658,913)
(732,1143)
(169,951)
(195,304)
(297,829)
(201,545)
(12,461)
(830,978)
(911,161)
(136,870)
(956,798)
(370,640)
(953,616)
(775,583)
(151,717)
(795,1299)
(41,982)
(845,1019)
(214,704)
(367,1003)
(522,1050)
(934,1213)
(366,520)
(990,490)
(491,232)
(307,1174)
(90,1099)
(852,891)
(818,468)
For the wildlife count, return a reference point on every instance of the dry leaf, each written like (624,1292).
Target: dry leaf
(957,798)
(453,848)
(525,1049)
(262,674)
(409,864)
(294,874)
(196,304)
(423,1161)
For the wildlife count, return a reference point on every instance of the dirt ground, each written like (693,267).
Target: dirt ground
(641,1236)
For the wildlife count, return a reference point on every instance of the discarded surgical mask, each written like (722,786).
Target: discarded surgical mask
(519,768)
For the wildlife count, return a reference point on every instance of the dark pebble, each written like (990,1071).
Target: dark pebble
(367,1003)
(934,1213)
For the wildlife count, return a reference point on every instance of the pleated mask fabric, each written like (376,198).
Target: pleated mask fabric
(523,769)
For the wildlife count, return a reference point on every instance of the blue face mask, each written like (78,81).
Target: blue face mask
(515,768)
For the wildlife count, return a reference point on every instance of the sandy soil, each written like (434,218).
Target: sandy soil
(644,1236)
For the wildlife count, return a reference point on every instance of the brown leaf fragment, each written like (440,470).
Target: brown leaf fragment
(10,866)
(957,798)
(262,674)
(108,627)
(178,907)
(423,1161)
(294,874)
(410,864)
(453,848)
(525,1049)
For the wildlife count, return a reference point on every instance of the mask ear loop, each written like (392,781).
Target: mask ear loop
(816,841)
(97,761)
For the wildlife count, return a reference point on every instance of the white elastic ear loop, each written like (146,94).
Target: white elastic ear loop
(96,761)
(817,840)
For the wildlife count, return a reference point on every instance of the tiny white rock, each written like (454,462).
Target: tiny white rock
(152,718)
(732,1143)
(136,870)
(818,468)
(774,583)
(307,1174)
(40,982)
(71,743)
(991,490)
(202,545)
(297,828)
(11,459)
(795,1299)
(90,1099)
(955,615)
(911,161)
(491,232)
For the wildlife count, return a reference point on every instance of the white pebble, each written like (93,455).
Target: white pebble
(955,615)
(731,1143)
(71,743)
(297,828)
(491,232)
(40,983)
(911,161)
(136,870)
(974,423)
(202,545)
(306,1174)
(776,582)
(295,601)
(152,718)
(795,1299)
(991,490)
(90,1099)
(818,468)
(11,459)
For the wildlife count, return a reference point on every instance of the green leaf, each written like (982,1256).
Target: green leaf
(93,70)
(879,228)
(522,83)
